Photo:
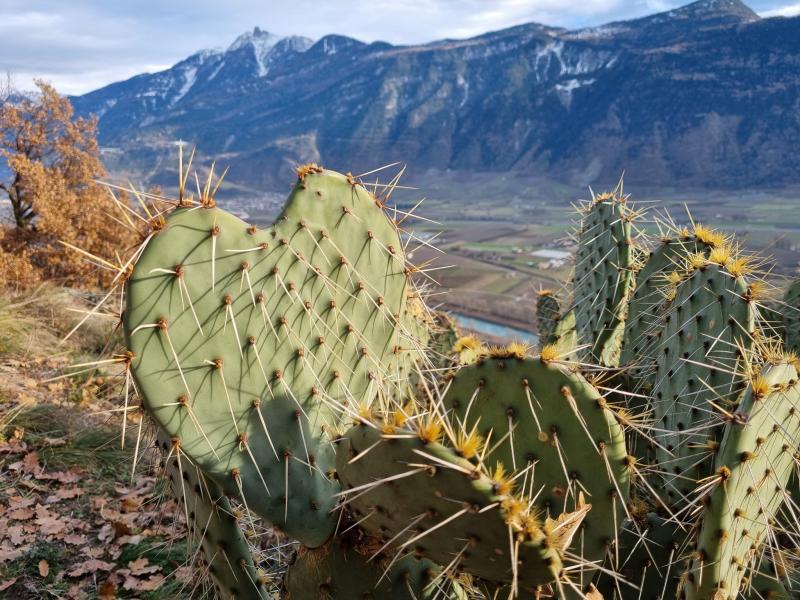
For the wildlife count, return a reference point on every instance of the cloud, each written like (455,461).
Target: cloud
(790,10)
(659,5)
(80,45)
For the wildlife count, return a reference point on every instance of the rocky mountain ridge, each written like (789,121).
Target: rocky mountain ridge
(703,95)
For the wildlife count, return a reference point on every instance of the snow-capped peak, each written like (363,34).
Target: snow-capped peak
(262,44)
(258,38)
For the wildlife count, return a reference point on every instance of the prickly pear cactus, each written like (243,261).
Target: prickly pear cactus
(548,311)
(213,527)
(249,345)
(791,317)
(766,585)
(652,559)
(443,337)
(536,414)
(255,352)
(701,356)
(604,276)
(468,349)
(752,470)
(658,274)
(336,571)
(418,495)
(564,338)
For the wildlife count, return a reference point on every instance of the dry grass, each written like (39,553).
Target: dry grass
(35,321)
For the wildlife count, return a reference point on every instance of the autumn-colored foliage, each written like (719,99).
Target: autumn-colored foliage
(53,162)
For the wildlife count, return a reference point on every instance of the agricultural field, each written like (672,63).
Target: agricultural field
(493,240)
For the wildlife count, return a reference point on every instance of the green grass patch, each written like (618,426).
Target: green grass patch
(16,327)
(26,570)
(169,555)
(39,422)
(165,553)
(502,285)
(95,450)
(487,247)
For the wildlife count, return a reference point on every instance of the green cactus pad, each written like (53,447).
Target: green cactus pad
(752,470)
(655,559)
(702,331)
(443,337)
(548,312)
(420,496)
(604,277)
(563,338)
(642,322)
(765,586)
(248,345)
(652,558)
(791,317)
(337,572)
(214,528)
(541,415)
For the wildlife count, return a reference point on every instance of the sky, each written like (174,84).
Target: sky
(81,45)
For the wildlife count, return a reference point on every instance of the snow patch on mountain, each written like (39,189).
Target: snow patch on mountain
(554,59)
(265,46)
(595,33)
(189,78)
(216,70)
(261,44)
(565,89)
(258,38)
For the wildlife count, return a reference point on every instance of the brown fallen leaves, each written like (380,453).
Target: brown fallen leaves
(64,494)
(90,566)
(87,528)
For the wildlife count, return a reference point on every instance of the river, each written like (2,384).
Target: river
(512,334)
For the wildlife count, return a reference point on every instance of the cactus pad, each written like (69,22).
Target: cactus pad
(541,416)
(443,337)
(705,327)
(653,558)
(752,470)
(548,312)
(564,338)
(652,280)
(338,572)
(419,496)
(765,586)
(604,276)
(248,345)
(791,317)
(214,528)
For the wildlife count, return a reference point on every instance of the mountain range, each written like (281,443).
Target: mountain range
(704,95)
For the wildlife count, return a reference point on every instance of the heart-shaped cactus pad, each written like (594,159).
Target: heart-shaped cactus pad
(251,347)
